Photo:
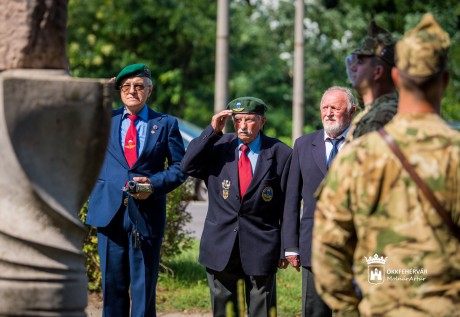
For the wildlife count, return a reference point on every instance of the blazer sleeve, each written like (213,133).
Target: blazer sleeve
(170,178)
(291,221)
(285,188)
(196,160)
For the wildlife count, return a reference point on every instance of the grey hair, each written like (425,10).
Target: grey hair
(351,101)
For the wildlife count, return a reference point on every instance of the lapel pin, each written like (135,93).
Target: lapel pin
(154,128)
(225,188)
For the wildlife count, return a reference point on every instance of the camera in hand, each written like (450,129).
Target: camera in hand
(133,187)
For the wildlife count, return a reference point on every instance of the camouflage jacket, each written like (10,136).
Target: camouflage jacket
(374,225)
(374,116)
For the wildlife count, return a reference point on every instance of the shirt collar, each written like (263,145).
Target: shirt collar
(254,146)
(143,114)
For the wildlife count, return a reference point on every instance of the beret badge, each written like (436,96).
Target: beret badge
(238,107)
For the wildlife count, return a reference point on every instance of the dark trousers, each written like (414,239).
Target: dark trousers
(259,291)
(312,304)
(126,270)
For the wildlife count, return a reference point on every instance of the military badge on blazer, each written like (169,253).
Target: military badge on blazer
(225,188)
(267,194)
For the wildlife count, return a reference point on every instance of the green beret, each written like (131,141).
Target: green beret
(247,105)
(422,51)
(134,70)
(378,42)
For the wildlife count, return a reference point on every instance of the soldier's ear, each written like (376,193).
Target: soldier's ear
(378,72)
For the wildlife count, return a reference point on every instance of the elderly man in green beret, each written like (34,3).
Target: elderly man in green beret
(388,213)
(369,72)
(246,175)
(130,222)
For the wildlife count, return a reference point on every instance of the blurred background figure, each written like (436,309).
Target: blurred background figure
(369,71)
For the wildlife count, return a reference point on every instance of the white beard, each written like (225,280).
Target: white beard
(336,128)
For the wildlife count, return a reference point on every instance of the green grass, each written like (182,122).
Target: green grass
(186,289)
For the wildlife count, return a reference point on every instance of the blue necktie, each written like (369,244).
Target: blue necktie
(334,151)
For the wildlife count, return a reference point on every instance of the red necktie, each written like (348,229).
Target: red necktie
(244,170)
(131,141)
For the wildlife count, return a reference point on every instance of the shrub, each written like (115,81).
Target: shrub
(177,238)
(93,270)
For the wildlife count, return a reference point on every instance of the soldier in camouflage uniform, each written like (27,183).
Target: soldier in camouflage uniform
(373,224)
(369,71)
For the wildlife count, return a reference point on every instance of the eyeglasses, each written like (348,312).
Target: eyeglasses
(127,87)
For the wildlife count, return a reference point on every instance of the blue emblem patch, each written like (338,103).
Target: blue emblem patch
(267,194)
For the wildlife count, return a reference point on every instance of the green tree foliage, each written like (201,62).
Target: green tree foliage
(177,39)
(398,16)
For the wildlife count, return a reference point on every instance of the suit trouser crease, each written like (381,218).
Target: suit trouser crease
(260,291)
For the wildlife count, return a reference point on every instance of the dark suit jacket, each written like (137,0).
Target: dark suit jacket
(163,141)
(308,168)
(256,220)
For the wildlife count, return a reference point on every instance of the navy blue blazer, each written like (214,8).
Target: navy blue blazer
(255,220)
(307,170)
(163,142)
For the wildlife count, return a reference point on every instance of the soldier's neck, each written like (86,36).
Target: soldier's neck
(376,92)
(411,103)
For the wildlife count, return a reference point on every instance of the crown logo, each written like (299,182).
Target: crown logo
(376,259)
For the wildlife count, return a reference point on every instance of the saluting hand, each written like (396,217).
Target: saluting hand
(218,120)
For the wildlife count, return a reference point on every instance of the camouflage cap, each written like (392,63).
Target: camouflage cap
(134,70)
(422,51)
(247,105)
(378,42)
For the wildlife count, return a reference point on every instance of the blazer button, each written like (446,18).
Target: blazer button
(125,201)
(235,230)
